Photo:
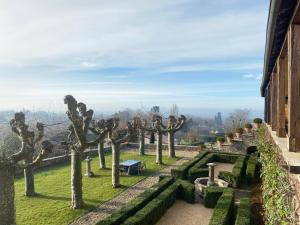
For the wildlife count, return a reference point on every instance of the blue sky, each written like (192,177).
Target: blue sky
(205,56)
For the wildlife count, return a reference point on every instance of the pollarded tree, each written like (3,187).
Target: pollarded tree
(159,129)
(100,128)
(29,142)
(141,125)
(77,142)
(174,125)
(116,138)
(8,166)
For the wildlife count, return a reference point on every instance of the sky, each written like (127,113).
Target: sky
(205,56)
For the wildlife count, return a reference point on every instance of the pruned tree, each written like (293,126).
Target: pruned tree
(8,166)
(116,138)
(100,128)
(80,119)
(29,142)
(174,125)
(141,126)
(159,129)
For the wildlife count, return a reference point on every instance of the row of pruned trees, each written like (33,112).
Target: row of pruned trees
(82,123)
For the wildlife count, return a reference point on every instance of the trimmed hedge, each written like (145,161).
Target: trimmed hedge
(251,171)
(200,168)
(182,171)
(235,178)
(186,191)
(153,211)
(226,158)
(212,195)
(223,211)
(243,216)
(137,203)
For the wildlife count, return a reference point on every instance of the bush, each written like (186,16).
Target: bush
(248,125)
(239,130)
(258,120)
(223,211)
(137,203)
(227,176)
(235,178)
(243,216)
(182,171)
(221,139)
(226,158)
(251,171)
(230,135)
(212,195)
(152,212)
(186,191)
(200,168)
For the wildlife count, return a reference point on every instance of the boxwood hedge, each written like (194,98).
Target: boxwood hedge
(137,203)
(251,171)
(182,171)
(243,216)
(224,209)
(212,195)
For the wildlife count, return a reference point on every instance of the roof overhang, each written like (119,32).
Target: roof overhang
(280,15)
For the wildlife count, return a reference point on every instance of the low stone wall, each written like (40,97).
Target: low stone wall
(152,147)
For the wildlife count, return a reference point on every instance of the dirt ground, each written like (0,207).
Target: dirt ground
(182,213)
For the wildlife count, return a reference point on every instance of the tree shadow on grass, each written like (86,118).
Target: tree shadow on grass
(57,198)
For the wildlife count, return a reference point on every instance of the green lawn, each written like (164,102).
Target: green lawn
(51,205)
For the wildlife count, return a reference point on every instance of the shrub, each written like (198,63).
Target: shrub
(235,177)
(243,216)
(212,195)
(223,211)
(186,191)
(227,176)
(251,170)
(230,135)
(182,171)
(258,120)
(226,158)
(152,212)
(195,173)
(221,139)
(276,188)
(239,130)
(137,203)
(248,125)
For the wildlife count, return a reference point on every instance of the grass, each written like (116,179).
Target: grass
(52,204)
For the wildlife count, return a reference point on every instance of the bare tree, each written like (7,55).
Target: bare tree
(8,166)
(141,125)
(29,142)
(237,118)
(158,128)
(116,138)
(100,128)
(174,125)
(80,121)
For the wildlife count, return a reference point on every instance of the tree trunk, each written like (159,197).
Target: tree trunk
(159,148)
(171,145)
(142,144)
(7,197)
(29,177)
(101,155)
(29,182)
(76,180)
(115,165)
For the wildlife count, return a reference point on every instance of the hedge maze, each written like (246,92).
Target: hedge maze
(149,207)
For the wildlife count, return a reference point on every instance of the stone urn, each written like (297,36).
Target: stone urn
(220,141)
(257,123)
(238,133)
(248,128)
(229,138)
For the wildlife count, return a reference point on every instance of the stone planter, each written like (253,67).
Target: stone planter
(220,143)
(229,140)
(257,125)
(248,130)
(238,135)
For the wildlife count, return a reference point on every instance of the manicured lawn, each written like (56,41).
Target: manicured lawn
(51,206)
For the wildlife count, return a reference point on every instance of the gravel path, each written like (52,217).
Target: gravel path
(111,206)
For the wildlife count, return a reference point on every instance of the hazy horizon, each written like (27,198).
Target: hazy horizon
(203,56)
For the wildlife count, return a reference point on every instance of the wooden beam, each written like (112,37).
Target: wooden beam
(274,101)
(281,73)
(294,87)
